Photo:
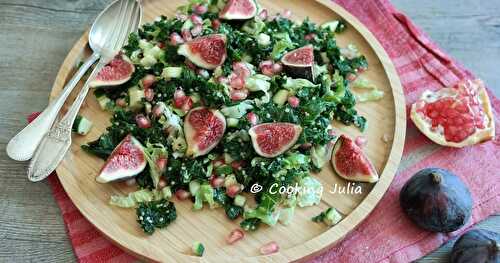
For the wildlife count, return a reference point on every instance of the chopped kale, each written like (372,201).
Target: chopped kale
(155,214)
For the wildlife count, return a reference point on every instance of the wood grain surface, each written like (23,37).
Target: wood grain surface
(36,35)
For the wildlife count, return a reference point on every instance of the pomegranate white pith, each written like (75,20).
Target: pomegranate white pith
(455,116)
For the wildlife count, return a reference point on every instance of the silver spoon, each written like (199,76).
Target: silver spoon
(22,146)
(57,141)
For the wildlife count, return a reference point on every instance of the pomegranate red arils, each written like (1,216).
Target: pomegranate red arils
(293,101)
(162,183)
(148,81)
(158,109)
(269,248)
(176,39)
(287,13)
(182,194)
(216,24)
(196,31)
(310,36)
(200,9)
(161,163)
(235,236)
(186,35)
(149,94)
(237,165)
(121,102)
(203,73)
(241,70)
(263,14)
(360,141)
(217,181)
(237,95)
(197,20)
(233,190)
(237,82)
(252,118)
(179,98)
(277,68)
(142,121)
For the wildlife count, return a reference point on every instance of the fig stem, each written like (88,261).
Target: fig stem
(436,178)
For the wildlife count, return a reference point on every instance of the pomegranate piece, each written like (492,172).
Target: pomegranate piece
(182,194)
(269,248)
(293,101)
(233,190)
(455,116)
(235,236)
(142,121)
(217,181)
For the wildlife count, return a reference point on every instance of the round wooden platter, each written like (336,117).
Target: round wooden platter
(301,239)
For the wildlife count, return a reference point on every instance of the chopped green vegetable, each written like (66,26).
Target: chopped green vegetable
(330,217)
(155,214)
(198,249)
(82,125)
(143,195)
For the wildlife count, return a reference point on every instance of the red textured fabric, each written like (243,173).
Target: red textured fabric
(387,235)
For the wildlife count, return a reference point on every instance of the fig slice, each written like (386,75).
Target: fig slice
(455,116)
(118,71)
(350,163)
(239,10)
(126,161)
(272,139)
(206,52)
(299,63)
(204,128)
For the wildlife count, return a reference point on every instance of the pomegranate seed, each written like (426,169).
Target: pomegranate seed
(233,190)
(237,95)
(237,82)
(306,146)
(203,73)
(252,118)
(222,80)
(277,68)
(176,39)
(197,20)
(149,94)
(142,121)
(196,31)
(236,165)
(186,35)
(130,182)
(362,69)
(121,102)
(162,183)
(190,64)
(310,36)
(148,81)
(161,163)
(351,77)
(269,248)
(161,45)
(241,70)
(182,194)
(217,181)
(331,132)
(179,98)
(216,24)
(188,104)
(158,109)
(200,9)
(287,13)
(266,63)
(263,14)
(293,101)
(235,236)
(268,71)
(361,141)
(218,162)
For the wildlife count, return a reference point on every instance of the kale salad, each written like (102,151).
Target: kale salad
(222,99)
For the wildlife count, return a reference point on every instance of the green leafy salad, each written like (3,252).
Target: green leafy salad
(222,108)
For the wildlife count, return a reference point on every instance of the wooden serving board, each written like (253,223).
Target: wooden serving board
(302,238)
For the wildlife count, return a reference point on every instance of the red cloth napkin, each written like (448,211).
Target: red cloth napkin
(386,235)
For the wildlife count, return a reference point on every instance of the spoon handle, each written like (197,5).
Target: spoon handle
(22,146)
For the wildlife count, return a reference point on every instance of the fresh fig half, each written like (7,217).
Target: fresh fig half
(436,200)
(204,128)
(350,163)
(118,71)
(272,139)
(206,52)
(455,116)
(299,63)
(239,10)
(477,245)
(126,161)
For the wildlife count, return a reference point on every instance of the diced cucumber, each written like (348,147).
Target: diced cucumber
(239,200)
(188,24)
(104,102)
(145,45)
(232,122)
(224,170)
(167,192)
(148,61)
(332,25)
(280,97)
(332,217)
(286,215)
(82,125)
(228,158)
(135,98)
(171,72)
(198,248)
(194,186)
(195,97)
(230,180)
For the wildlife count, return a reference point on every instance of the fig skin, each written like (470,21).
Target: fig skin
(477,245)
(436,200)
